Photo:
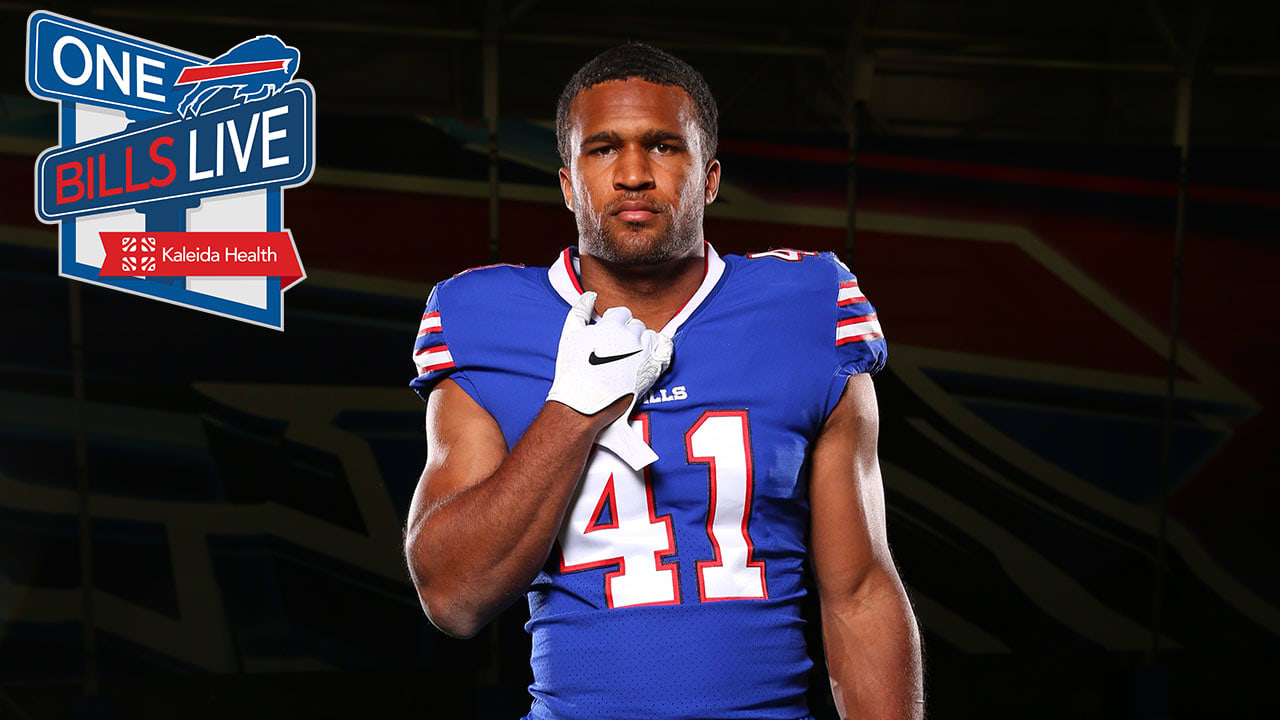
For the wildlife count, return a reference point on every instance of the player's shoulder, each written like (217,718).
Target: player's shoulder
(487,279)
(487,287)
(789,268)
(464,313)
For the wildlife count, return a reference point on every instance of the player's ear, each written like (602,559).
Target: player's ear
(713,180)
(566,188)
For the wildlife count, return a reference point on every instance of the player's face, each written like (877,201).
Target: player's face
(639,176)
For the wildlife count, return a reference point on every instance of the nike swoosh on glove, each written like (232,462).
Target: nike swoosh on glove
(598,363)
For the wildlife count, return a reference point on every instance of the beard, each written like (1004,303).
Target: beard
(670,234)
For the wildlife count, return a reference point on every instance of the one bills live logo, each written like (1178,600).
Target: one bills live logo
(168,178)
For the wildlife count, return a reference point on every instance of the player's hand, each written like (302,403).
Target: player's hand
(599,363)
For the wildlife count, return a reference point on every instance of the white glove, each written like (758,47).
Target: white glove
(598,363)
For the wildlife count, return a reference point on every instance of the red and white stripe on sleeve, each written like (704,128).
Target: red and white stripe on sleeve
(850,294)
(855,317)
(430,353)
(858,329)
(430,324)
(432,358)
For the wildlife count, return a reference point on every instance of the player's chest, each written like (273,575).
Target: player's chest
(729,488)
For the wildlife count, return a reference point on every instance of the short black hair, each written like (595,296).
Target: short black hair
(637,60)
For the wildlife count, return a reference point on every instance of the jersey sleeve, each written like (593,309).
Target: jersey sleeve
(859,340)
(858,337)
(433,359)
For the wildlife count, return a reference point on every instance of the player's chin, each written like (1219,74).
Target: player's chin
(644,246)
(653,226)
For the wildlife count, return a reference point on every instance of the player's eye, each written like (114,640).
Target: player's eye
(664,148)
(602,150)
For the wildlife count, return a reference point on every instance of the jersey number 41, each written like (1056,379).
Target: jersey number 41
(636,539)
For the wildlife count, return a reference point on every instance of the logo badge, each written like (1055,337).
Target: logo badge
(168,178)
(595,359)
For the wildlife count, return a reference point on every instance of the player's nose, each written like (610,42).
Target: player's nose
(632,171)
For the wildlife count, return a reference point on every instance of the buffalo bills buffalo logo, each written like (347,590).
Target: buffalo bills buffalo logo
(252,70)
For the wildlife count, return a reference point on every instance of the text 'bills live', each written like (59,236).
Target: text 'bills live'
(239,148)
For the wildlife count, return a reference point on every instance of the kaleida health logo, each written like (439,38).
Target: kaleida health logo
(139,254)
(195,254)
(168,181)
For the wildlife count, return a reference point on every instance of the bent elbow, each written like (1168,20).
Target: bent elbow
(447,616)
(455,626)
(439,603)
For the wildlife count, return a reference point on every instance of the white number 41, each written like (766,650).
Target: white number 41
(612,521)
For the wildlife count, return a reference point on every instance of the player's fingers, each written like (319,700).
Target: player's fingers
(659,345)
(636,327)
(580,313)
(662,348)
(620,315)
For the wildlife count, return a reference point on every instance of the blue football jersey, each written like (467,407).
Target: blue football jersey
(673,592)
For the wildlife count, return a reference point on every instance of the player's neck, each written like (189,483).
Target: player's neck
(654,293)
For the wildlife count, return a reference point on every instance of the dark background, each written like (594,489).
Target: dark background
(1016,178)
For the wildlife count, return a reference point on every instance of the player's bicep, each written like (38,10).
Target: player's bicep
(464,446)
(846,494)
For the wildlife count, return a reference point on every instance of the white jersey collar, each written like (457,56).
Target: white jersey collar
(563,274)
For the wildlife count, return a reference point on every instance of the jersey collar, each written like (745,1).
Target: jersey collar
(563,274)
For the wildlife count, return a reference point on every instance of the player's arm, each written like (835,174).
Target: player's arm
(483,521)
(868,630)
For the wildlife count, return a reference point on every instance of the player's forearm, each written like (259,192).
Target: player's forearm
(476,552)
(873,651)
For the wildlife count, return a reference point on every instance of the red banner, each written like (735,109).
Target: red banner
(194,254)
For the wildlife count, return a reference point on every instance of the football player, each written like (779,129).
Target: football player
(648,440)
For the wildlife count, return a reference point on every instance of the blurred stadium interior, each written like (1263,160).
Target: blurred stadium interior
(1010,181)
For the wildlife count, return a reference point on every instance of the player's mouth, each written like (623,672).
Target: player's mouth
(635,211)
